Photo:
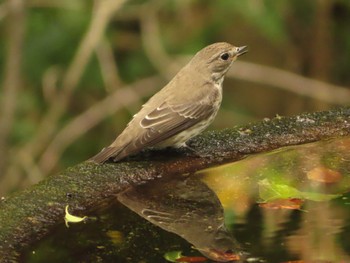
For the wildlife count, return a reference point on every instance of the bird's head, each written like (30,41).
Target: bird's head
(217,58)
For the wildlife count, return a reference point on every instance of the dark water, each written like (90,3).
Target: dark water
(292,205)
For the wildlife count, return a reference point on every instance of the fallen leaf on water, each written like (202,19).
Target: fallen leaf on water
(222,256)
(69,218)
(294,261)
(191,259)
(269,191)
(292,203)
(176,256)
(172,256)
(324,175)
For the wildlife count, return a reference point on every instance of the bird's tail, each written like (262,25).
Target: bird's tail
(105,155)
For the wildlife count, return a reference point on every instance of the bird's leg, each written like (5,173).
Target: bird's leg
(190,151)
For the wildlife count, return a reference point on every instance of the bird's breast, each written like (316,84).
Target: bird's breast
(216,95)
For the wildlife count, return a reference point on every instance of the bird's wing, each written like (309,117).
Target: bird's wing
(160,124)
(172,115)
(167,121)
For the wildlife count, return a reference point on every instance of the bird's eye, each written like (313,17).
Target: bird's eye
(225,56)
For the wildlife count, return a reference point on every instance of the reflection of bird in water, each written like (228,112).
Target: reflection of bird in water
(188,208)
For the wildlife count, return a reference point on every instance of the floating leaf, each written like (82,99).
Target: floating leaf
(269,191)
(221,256)
(191,259)
(176,256)
(172,256)
(294,261)
(292,203)
(69,218)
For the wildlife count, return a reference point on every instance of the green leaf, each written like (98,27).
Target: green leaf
(172,256)
(271,191)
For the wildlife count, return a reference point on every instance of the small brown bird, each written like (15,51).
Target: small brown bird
(182,109)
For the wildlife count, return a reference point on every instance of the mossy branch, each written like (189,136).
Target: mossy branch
(29,215)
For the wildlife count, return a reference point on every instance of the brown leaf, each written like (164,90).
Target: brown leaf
(292,203)
(191,259)
(294,261)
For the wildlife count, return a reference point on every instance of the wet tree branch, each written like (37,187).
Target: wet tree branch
(27,216)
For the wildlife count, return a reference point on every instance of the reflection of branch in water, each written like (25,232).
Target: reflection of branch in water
(188,208)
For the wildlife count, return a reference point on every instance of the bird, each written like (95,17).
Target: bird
(182,109)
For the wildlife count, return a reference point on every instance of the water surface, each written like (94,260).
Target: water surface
(291,205)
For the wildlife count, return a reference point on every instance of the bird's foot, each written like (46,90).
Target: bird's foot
(190,151)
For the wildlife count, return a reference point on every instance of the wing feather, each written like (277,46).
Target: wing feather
(158,125)
(167,125)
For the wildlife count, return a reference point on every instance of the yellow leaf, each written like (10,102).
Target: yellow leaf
(68,218)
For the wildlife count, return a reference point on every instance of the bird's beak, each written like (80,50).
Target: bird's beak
(241,50)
